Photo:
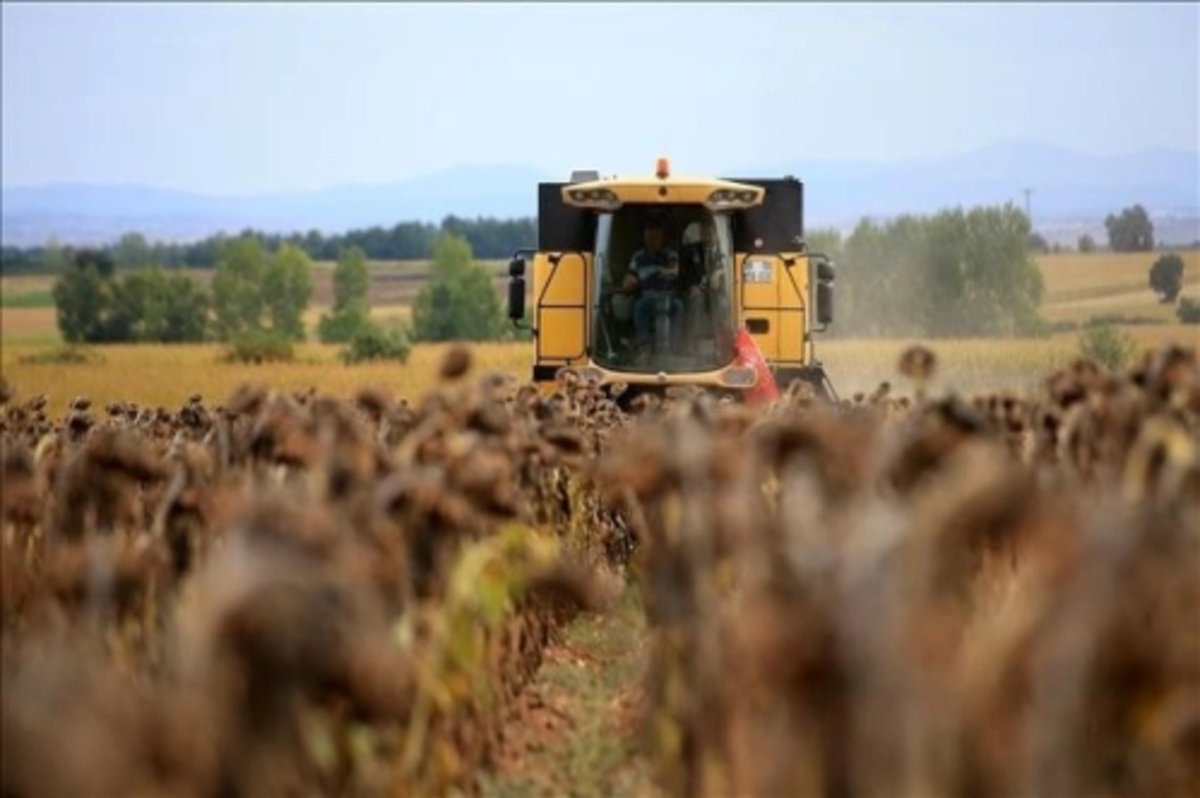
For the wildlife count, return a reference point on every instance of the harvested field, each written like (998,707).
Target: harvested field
(28,325)
(474,589)
(856,366)
(167,375)
(1074,276)
(393,282)
(1141,305)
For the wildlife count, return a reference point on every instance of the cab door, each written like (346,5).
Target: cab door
(772,276)
(561,281)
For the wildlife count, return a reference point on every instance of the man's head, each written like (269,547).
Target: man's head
(654,235)
(703,232)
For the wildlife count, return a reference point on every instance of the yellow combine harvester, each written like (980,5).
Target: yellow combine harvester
(656,281)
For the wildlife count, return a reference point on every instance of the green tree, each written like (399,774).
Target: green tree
(152,306)
(1087,243)
(185,311)
(138,304)
(1166,277)
(1108,345)
(1188,311)
(826,240)
(103,262)
(1132,231)
(145,306)
(351,282)
(259,299)
(1004,287)
(81,300)
(374,341)
(287,290)
(55,258)
(237,288)
(351,278)
(863,259)
(460,302)
(947,305)
(132,251)
(339,327)
(956,273)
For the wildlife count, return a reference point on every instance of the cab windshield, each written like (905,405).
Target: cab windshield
(664,277)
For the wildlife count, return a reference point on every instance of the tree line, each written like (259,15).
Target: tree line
(489,238)
(956,273)
(256,300)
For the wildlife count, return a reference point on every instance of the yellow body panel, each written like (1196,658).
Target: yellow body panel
(560,307)
(769,294)
(793,293)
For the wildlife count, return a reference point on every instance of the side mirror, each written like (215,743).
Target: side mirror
(516,298)
(825,271)
(824,304)
(824,292)
(516,289)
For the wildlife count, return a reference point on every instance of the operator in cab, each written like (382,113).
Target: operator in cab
(653,272)
(706,303)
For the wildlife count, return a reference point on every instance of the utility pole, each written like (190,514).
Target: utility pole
(1028,211)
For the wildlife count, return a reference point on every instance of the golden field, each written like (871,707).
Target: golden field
(1073,276)
(165,376)
(976,365)
(157,375)
(28,326)
(392,282)
(1077,287)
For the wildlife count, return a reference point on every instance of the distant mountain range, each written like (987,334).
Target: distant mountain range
(1071,191)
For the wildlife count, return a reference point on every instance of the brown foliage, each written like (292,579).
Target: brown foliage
(217,596)
(289,593)
(986,596)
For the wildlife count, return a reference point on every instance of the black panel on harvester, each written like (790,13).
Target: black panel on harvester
(778,222)
(562,228)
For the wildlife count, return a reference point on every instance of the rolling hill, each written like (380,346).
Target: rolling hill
(1072,192)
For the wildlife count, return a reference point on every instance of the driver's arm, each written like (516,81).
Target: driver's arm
(672,267)
(631,279)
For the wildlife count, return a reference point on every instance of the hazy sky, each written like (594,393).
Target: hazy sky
(235,98)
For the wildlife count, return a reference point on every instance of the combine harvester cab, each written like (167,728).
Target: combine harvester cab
(651,282)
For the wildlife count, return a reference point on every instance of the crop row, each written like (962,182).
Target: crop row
(925,595)
(285,592)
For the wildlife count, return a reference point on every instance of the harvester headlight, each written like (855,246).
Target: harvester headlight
(595,197)
(590,374)
(730,198)
(584,374)
(740,377)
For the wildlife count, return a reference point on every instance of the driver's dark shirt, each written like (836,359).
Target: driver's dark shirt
(648,266)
